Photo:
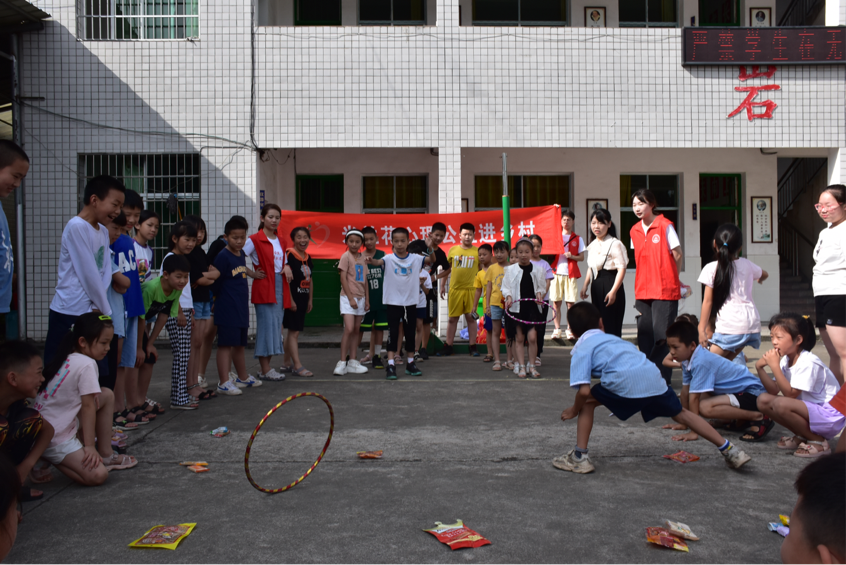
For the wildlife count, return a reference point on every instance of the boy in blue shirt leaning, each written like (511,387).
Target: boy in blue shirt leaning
(731,390)
(629,383)
(14,165)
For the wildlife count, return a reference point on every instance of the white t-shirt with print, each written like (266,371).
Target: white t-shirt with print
(810,375)
(830,262)
(427,286)
(738,315)
(61,401)
(279,256)
(85,270)
(402,279)
(144,260)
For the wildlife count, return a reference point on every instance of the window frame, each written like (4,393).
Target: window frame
(298,22)
(114,19)
(392,22)
(519,22)
(647,23)
(627,243)
(477,208)
(396,210)
(735,23)
(152,200)
(333,210)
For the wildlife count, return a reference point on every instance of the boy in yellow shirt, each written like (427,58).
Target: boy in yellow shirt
(493,299)
(464,264)
(485,257)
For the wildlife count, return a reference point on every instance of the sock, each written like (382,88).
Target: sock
(579,452)
(377,350)
(410,360)
(391,362)
(725,446)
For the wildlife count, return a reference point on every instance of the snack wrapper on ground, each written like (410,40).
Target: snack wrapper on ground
(163,537)
(778,528)
(784,519)
(369,454)
(683,457)
(189,463)
(198,468)
(220,432)
(457,535)
(661,536)
(681,530)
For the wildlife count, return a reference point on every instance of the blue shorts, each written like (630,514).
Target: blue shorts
(202,310)
(665,405)
(130,344)
(228,336)
(736,342)
(497,312)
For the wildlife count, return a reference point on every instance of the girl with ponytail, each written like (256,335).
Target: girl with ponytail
(728,296)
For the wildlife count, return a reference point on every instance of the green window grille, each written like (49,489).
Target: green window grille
(320,193)
(524,191)
(139,19)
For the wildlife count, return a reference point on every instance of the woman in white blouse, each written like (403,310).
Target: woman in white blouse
(607,261)
(829,281)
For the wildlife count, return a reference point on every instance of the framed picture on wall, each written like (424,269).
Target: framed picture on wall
(762,219)
(594,17)
(760,17)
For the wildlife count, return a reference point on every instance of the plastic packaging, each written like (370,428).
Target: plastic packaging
(682,457)
(681,530)
(220,432)
(163,537)
(198,468)
(457,535)
(189,463)
(661,536)
(781,529)
(369,454)
(784,519)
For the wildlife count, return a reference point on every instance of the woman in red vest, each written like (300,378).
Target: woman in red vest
(657,286)
(270,294)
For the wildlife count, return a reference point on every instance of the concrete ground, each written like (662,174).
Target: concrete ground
(460,442)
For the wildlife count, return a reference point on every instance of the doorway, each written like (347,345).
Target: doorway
(719,203)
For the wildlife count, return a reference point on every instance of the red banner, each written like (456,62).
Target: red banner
(328,230)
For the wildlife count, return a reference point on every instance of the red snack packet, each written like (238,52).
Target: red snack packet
(369,454)
(457,535)
(660,536)
(198,468)
(683,457)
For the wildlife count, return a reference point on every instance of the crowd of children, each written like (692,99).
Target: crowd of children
(110,308)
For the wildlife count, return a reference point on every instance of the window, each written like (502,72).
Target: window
(317,12)
(316,193)
(395,195)
(155,178)
(519,12)
(666,189)
(719,12)
(392,12)
(139,19)
(524,191)
(648,13)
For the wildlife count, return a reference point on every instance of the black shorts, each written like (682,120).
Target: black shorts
(831,310)
(150,360)
(294,320)
(746,401)
(665,405)
(228,336)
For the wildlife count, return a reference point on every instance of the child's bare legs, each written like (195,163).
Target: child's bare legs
(292,350)
(376,337)
(452,325)
(685,401)
(73,468)
(240,362)
(700,426)
(418,336)
(198,332)
(519,350)
(791,413)
(717,350)
(130,385)
(556,318)
(720,407)
(834,339)
(120,383)
(264,363)
(493,339)
(533,346)
(584,423)
(145,375)
(224,361)
(424,335)
(208,344)
(103,423)
(350,337)
(471,328)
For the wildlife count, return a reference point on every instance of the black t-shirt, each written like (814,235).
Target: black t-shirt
(301,283)
(216,247)
(440,257)
(199,264)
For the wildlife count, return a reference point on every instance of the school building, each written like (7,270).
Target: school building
(362,106)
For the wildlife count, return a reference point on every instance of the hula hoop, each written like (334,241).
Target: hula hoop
(260,424)
(510,315)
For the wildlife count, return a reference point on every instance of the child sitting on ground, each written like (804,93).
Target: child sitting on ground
(629,383)
(24,435)
(732,390)
(805,383)
(72,401)
(818,521)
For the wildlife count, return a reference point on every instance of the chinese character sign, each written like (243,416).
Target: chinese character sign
(328,230)
(748,103)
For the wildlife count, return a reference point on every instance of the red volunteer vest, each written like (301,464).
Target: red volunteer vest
(573,247)
(656,272)
(264,290)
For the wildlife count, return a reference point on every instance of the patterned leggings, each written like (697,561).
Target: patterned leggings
(180,344)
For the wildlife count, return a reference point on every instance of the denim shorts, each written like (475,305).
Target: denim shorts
(736,342)
(130,344)
(497,312)
(202,310)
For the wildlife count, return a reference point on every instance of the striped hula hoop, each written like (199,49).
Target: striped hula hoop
(551,307)
(310,469)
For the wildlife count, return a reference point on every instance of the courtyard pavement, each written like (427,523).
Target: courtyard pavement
(460,442)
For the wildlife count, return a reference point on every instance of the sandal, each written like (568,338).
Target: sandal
(303,372)
(138,417)
(487,359)
(205,395)
(28,494)
(509,365)
(537,362)
(122,424)
(497,366)
(533,373)
(788,442)
(40,476)
(764,426)
(521,372)
(812,449)
(150,406)
(366,361)
(118,462)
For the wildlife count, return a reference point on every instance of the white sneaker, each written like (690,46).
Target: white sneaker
(735,458)
(569,462)
(229,389)
(340,369)
(353,366)
(233,375)
(250,382)
(202,381)
(271,375)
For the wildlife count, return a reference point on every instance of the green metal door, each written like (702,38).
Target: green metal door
(323,193)
(719,203)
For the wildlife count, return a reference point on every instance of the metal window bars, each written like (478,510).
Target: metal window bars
(138,19)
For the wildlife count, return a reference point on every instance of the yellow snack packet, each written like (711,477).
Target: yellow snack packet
(163,537)
(784,519)
(189,463)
